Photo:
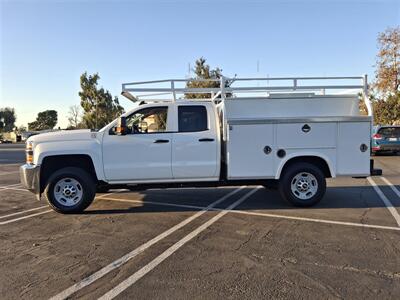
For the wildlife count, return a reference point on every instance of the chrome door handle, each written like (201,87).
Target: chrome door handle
(161,141)
(206,140)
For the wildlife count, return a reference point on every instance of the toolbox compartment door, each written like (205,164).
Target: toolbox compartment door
(306,135)
(247,158)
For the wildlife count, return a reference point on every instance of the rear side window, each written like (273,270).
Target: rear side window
(192,118)
(389,131)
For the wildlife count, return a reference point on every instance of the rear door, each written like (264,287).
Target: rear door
(195,144)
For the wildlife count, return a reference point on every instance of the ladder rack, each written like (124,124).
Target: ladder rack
(236,88)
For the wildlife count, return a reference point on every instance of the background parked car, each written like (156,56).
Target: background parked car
(5,142)
(386,139)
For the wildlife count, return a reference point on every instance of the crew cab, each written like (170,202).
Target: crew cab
(293,140)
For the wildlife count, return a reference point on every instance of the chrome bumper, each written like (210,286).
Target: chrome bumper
(30,178)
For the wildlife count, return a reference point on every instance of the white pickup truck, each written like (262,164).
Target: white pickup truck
(290,136)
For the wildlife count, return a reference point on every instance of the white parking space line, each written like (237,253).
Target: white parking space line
(157,203)
(32,209)
(11,149)
(315,220)
(108,194)
(385,200)
(14,189)
(22,212)
(8,173)
(261,214)
(392,186)
(171,250)
(120,261)
(25,217)
(10,185)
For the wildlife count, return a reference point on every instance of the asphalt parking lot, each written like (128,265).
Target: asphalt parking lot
(203,243)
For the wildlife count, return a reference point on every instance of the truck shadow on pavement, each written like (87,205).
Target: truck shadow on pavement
(355,197)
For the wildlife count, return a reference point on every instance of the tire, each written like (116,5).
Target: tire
(302,184)
(70,190)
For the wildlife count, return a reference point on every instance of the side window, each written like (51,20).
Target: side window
(192,118)
(148,120)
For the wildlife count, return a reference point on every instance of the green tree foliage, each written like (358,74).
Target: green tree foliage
(203,71)
(99,107)
(45,120)
(7,119)
(387,111)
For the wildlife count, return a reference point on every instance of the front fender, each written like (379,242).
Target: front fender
(92,148)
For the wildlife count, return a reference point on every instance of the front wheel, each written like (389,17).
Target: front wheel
(70,190)
(302,184)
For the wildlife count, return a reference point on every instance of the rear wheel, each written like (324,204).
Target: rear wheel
(70,190)
(302,184)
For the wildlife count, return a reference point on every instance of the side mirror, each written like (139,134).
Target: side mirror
(121,128)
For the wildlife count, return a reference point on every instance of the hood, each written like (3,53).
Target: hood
(63,135)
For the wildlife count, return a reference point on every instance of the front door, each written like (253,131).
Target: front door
(144,153)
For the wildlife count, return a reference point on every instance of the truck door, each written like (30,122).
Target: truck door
(145,152)
(195,147)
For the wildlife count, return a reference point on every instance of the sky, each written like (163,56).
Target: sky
(46,45)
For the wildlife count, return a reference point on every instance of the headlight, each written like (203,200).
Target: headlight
(29,153)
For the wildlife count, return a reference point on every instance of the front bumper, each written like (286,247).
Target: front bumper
(30,178)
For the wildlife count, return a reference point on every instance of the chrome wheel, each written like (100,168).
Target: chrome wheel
(68,192)
(304,185)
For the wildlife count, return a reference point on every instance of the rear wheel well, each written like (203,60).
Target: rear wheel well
(314,160)
(51,164)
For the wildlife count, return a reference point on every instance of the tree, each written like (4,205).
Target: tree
(388,61)
(21,129)
(45,120)
(387,111)
(74,117)
(386,94)
(7,119)
(203,71)
(99,107)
